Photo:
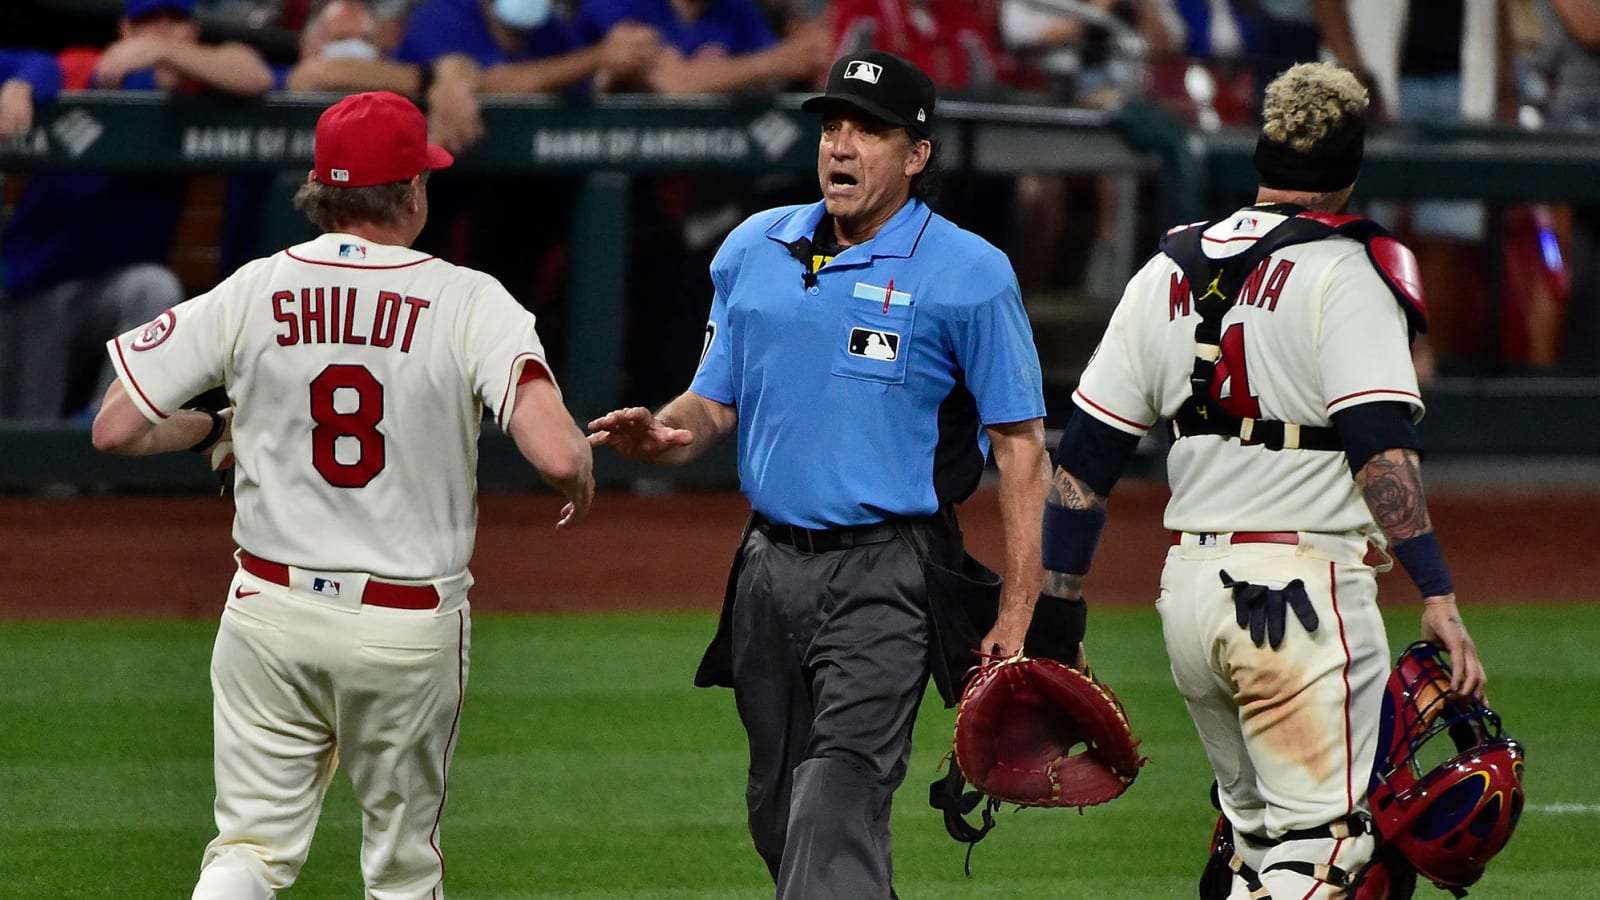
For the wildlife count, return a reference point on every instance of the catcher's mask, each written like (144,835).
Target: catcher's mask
(1450,820)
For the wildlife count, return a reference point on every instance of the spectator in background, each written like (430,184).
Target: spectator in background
(340,50)
(1086,64)
(957,43)
(954,41)
(516,228)
(1078,56)
(160,49)
(1575,106)
(677,221)
(1427,57)
(712,46)
(1234,48)
(27,77)
(295,15)
(525,46)
(83,257)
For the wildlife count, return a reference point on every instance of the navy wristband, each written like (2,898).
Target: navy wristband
(1067,538)
(1424,562)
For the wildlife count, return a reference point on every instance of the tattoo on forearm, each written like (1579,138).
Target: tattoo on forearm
(1066,491)
(1391,483)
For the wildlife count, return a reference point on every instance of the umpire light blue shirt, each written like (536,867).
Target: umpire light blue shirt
(849,396)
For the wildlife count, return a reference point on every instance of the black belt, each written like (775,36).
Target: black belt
(824,540)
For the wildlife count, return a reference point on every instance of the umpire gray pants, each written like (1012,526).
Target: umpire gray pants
(830,664)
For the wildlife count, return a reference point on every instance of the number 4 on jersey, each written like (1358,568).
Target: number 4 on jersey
(1231,373)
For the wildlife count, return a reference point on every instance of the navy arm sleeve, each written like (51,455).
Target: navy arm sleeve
(1371,428)
(1094,452)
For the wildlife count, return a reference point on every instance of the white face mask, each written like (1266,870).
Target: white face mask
(524,15)
(350,48)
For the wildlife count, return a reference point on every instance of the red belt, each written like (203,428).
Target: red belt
(1251,537)
(377,593)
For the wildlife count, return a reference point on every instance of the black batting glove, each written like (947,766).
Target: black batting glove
(1261,609)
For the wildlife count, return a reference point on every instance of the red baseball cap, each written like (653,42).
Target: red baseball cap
(374,138)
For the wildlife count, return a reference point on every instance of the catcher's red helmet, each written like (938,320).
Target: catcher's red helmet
(1450,820)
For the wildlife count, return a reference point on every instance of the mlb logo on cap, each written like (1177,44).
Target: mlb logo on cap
(378,137)
(862,70)
(882,85)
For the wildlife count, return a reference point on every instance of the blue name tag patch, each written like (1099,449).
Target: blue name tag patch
(876,293)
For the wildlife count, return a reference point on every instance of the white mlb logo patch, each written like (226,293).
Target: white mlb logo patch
(339,174)
(861,70)
(874,344)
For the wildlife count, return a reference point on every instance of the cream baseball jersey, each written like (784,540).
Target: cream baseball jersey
(358,374)
(1314,330)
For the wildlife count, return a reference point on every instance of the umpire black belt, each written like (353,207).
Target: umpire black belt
(824,540)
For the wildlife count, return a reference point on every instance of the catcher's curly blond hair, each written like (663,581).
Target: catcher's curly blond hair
(1306,103)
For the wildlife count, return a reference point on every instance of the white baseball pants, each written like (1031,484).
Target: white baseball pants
(1291,733)
(302,683)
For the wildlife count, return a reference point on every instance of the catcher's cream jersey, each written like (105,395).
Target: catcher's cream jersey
(358,374)
(1315,330)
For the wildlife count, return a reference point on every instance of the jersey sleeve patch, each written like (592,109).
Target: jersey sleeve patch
(156,333)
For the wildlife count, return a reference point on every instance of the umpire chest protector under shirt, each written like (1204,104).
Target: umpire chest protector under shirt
(862,387)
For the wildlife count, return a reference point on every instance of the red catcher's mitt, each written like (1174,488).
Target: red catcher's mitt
(1019,722)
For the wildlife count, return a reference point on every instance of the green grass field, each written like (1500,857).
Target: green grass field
(589,768)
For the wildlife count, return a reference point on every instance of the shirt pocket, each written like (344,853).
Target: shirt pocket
(874,344)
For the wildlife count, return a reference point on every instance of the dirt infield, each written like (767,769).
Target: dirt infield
(169,556)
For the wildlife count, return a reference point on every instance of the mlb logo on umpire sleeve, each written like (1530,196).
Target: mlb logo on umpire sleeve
(861,70)
(872,344)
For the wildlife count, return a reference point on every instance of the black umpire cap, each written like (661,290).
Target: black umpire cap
(883,86)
